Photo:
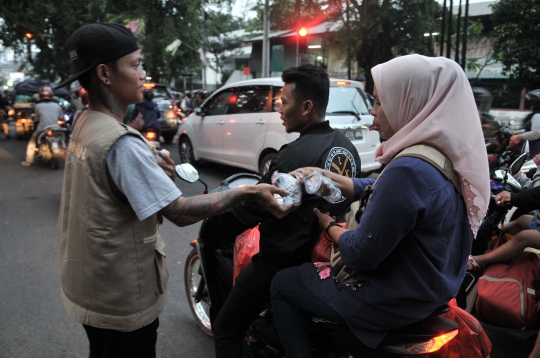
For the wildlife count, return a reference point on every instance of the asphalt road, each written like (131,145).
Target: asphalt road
(33,322)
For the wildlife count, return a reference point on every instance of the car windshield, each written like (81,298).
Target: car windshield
(346,99)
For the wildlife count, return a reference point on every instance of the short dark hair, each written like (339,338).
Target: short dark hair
(311,83)
(148,95)
(86,78)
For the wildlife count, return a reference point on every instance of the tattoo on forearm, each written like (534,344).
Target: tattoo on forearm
(187,211)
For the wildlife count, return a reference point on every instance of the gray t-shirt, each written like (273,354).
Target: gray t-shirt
(47,113)
(136,173)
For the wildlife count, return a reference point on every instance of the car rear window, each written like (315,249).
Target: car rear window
(160,92)
(346,99)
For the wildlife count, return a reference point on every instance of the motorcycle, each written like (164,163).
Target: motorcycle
(501,180)
(19,121)
(498,147)
(208,275)
(51,145)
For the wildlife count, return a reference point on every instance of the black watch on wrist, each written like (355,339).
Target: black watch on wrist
(330,224)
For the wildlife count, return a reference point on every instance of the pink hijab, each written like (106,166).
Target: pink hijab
(429,100)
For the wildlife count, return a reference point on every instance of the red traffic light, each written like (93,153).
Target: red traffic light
(28,35)
(302,31)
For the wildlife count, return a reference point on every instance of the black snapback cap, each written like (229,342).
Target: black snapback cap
(94,44)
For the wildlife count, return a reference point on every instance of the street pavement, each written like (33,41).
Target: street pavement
(33,322)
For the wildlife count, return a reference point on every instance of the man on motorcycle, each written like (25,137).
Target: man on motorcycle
(531,125)
(46,113)
(283,242)
(114,197)
(149,112)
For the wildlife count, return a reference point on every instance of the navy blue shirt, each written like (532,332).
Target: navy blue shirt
(411,246)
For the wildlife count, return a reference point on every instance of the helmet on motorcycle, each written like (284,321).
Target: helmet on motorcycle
(534,98)
(46,92)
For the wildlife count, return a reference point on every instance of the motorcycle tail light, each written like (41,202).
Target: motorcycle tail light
(60,123)
(433,345)
(49,133)
(150,135)
(22,120)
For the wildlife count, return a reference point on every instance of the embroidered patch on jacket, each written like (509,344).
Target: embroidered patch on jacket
(341,161)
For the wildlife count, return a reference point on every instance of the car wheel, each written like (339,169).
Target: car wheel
(185,149)
(264,164)
(168,137)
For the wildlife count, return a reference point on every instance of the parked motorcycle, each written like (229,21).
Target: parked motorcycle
(208,275)
(51,145)
(501,180)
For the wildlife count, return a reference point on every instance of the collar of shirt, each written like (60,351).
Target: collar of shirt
(314,128)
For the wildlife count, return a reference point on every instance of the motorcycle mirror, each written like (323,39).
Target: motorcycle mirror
(187,172)
(525,149)
(517,164)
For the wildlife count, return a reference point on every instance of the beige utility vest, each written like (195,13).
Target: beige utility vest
(112,266)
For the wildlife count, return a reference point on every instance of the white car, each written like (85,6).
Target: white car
(239,124)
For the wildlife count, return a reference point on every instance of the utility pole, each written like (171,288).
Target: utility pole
(449,41)
(298,5)
(458,30)
(441,42)
(465,34)
(203,32)
(265,43)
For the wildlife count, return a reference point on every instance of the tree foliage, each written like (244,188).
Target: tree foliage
(51,22)
(381,30)
(517,32)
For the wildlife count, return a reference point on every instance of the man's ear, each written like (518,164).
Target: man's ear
(102,73)
(307,107)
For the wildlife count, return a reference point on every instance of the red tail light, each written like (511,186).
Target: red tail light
(175,108)
(60,123)
(49,132)
(150,135)
(22,120)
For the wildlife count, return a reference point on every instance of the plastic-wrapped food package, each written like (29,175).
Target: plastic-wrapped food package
(318,184)
(292,185)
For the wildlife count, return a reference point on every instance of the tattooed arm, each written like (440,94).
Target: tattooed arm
(187,211)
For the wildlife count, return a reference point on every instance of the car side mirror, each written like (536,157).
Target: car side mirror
(200,111)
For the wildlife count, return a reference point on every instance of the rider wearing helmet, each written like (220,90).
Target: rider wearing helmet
(531,126)
(46,113)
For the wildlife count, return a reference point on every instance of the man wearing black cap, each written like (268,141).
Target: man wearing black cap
(113,269)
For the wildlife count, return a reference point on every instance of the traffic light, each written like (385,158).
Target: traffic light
(28,35)
(302,40)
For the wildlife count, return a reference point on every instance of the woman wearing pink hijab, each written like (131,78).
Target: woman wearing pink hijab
(412,242)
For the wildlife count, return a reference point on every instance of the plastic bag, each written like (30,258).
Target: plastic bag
(321,250)
(292,185)
(471,340)
(245,246)
(318,184)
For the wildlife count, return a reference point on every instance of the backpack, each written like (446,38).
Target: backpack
(507,292)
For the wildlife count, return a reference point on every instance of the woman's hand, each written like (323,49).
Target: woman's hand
(502,198)
(324,219)
(515,140)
